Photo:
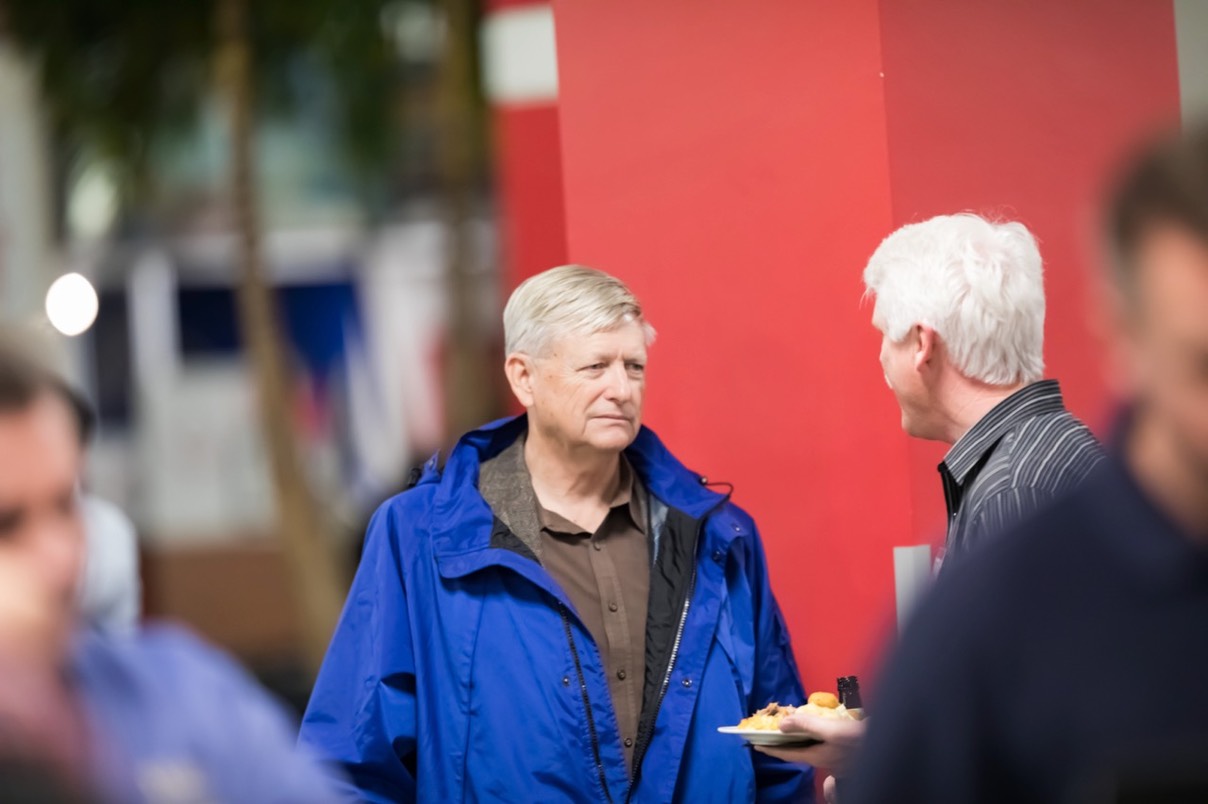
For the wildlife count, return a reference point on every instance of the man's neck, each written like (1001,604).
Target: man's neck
(968,403)
(1168,475)
(570,476)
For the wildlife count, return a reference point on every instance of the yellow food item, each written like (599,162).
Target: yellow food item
(826,700)
(768,718)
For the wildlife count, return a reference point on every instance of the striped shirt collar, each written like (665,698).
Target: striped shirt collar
(1036,399)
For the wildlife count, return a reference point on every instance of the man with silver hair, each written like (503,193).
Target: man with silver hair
(960,306)
(563,612)
(1016,679)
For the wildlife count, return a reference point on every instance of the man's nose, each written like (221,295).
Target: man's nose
(620,385)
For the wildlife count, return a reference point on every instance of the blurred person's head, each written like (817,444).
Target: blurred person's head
(41,530)
(1158,226)
(576,357)
(959,302)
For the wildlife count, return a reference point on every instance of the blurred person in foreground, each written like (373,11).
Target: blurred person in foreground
(1067,661)
(564,612)
(151,716)
(959,301)
(110,589)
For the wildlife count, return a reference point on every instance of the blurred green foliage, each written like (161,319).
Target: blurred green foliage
(120,76)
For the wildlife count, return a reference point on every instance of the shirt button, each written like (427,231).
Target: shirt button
(566,681)
(597,546)
(621,674)
(717,556)
(613,607)
(629,742)
(687,682)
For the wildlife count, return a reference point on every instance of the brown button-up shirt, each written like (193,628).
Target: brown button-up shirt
(606,575)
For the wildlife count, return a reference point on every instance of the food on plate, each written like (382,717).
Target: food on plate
(768,718)
(846,706)
(827,700)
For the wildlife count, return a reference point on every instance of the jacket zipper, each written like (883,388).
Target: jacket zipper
(679,635)
(591,721)
(640,754)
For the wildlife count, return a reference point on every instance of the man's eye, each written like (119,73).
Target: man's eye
(636,368)
(595,367)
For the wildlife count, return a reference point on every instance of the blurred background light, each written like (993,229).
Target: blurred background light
(71,304)
(92,205)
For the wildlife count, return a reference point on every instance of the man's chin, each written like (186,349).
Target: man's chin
(613,437)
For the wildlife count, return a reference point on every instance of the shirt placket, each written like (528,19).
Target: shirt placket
(616,630)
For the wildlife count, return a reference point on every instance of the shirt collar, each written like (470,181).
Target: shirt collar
(628,495)
(1032,400)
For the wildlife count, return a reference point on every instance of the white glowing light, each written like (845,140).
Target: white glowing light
(71,304)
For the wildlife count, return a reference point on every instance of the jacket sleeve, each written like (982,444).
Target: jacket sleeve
(362,712)
(776,679)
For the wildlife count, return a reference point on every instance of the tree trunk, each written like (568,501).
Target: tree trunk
(468,379)
(317,576)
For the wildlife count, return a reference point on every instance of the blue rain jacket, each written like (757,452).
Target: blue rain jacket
(460,671)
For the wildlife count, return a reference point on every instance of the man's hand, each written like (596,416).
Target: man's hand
(840,738)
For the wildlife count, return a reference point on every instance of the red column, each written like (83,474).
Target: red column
(521,81)
(737,161)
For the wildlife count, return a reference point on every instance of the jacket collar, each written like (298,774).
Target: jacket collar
(463,522)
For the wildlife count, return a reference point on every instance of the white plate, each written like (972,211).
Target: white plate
(764,737)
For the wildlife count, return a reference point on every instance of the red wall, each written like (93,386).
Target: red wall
(732,166)
(737,161)
(1019,109)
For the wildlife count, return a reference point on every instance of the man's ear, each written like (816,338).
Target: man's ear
(519,369)
(926,346)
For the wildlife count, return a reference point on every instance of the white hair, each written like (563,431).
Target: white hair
(979,285)
(564,300)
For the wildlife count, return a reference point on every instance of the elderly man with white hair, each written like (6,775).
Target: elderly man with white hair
(959,301)
(960,305)
(563,612)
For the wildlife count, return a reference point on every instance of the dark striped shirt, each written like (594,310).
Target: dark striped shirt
(1022,454)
